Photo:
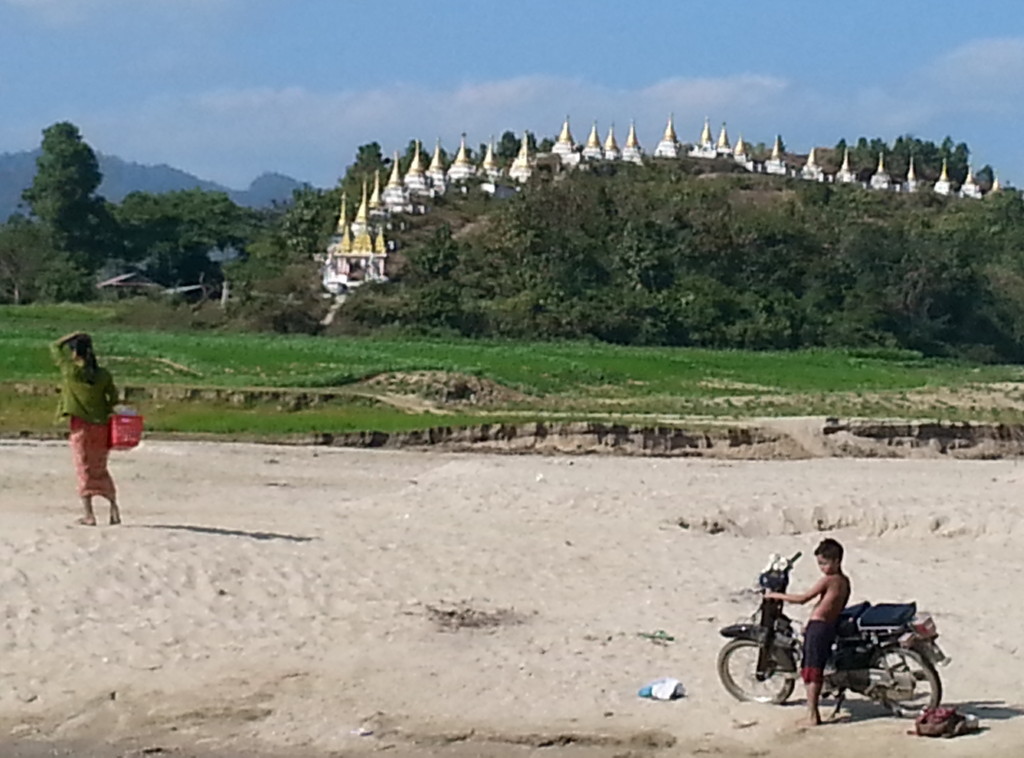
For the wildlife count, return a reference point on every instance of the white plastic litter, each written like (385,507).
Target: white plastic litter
(665,688)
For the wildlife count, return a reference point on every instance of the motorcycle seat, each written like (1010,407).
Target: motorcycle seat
(887,616)
(848,619)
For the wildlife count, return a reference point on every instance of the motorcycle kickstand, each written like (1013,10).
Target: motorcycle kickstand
(840,699)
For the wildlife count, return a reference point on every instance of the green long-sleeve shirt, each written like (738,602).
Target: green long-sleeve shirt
(90,401)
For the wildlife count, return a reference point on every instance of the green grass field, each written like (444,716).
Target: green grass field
(580,379)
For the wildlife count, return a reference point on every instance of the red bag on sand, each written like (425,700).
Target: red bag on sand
(125,431)
(940,722)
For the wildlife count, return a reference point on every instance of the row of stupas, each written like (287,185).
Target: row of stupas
(358,250)
(882,179)
(425,182)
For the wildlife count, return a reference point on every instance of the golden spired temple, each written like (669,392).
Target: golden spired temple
(358,251)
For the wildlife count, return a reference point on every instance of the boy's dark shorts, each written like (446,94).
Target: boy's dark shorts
(818,639)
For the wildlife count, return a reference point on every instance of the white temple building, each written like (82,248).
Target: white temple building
(741,155)
(970,186)
(632,151)
(592,151)
(395,196)
(811,170)
(943,186)
(354,257)
(722,147)
(845,175)
(880,180)
(361,223)
(490,166)
(668,147)
(462,168)
(705,147)
(377,210)
(565,146)
(415,177)
(775,164)
(912,184)
(611,147)
(522,167)
(436,172)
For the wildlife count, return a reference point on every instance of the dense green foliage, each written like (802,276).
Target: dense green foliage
(676,253)
(655,255)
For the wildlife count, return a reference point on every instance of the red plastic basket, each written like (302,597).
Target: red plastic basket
(125,431)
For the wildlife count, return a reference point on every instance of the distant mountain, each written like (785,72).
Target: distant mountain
(121,177)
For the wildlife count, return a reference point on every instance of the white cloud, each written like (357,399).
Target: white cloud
(232,135)
(984,75)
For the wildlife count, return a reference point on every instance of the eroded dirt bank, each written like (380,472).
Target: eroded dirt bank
(788,438)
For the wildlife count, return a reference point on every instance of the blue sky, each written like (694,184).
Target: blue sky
(227,89)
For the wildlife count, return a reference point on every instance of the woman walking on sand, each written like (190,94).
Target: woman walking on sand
(87,397)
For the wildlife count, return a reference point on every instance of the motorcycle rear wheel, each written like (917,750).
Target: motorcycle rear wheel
(927,686)
(741,656)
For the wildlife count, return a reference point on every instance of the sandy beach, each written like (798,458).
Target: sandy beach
(307,601)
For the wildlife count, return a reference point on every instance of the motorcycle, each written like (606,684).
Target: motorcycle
(885,652)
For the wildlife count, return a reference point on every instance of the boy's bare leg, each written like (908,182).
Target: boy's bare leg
(89,519)
(115,512)
(813,696)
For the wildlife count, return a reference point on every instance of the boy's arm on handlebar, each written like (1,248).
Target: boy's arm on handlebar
(800,599)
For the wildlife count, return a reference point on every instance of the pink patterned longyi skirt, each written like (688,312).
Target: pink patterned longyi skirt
(90,448)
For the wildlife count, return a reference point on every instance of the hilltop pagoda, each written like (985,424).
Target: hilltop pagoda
(668,147)
(632,151)
(565,146)
(776,163)
(880,180)
(462,168)
(943,186)
(592,151)
(705,147)
(416,177)
(811,170)
(522,167)
(436,172)
(845,175)
(611,147)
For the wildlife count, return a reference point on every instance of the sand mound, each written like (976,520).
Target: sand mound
(451,617)
(448,388)
(772,520)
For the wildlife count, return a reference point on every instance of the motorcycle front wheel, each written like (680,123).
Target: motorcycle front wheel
(916,682)
(737,668)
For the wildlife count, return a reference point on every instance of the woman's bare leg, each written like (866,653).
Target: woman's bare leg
(89,519)
(115,512)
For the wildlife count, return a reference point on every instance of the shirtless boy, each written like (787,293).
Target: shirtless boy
(832,592)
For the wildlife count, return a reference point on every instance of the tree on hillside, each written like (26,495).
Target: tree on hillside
(63,197)
(32,269)
(173,234)
(369,160)
(508,147)
(307,224)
